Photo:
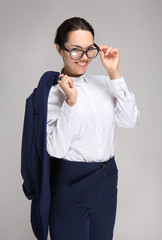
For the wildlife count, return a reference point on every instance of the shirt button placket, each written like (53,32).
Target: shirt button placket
(98,131)
(99,139)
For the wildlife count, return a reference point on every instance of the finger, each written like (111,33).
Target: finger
(64,77)
(60,77)
(63,83)
(103,47)
(106,50)
(109,50)
(66,81)
(115,50)
(102,55)
(70,81)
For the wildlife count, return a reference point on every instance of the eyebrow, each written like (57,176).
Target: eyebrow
(81,47)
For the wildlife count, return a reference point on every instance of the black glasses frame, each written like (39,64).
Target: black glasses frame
(83,51)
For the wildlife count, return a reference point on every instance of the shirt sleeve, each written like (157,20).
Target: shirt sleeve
(61,122)
(126,111)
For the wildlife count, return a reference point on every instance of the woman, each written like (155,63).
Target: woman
(82,112)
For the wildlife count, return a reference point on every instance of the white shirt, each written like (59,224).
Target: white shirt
(85,131)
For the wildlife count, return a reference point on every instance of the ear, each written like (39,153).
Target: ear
(59,50)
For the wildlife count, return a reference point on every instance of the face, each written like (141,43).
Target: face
(82,40)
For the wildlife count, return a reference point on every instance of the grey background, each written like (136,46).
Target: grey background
(27,30)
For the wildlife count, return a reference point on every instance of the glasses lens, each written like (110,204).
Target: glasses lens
(92,53)
(76,54)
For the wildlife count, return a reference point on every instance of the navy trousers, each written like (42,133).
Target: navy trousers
(83,199)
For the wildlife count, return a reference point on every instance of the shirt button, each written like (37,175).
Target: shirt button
(100,144)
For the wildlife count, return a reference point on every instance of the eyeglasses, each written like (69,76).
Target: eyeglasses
(76,54)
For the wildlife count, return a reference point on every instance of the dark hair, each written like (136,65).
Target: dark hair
(69,25)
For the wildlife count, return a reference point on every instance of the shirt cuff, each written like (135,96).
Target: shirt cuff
(68,110)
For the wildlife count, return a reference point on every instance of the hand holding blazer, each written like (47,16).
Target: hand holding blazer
(35,160)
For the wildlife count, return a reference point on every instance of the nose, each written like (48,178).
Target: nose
(84,57)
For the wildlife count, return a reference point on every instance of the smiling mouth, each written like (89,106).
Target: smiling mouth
(82,64)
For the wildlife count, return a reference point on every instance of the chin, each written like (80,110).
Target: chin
(78,72)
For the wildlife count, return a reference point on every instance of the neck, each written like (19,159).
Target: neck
(70,74)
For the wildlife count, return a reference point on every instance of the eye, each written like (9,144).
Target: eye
(91,48)
(75,49)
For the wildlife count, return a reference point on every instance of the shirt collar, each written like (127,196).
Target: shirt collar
(79,80)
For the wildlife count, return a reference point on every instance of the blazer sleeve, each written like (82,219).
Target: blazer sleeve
(26,160)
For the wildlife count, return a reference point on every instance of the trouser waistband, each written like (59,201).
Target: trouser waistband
(93,171)
(93,177)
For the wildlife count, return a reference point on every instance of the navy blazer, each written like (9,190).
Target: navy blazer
(35,160)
